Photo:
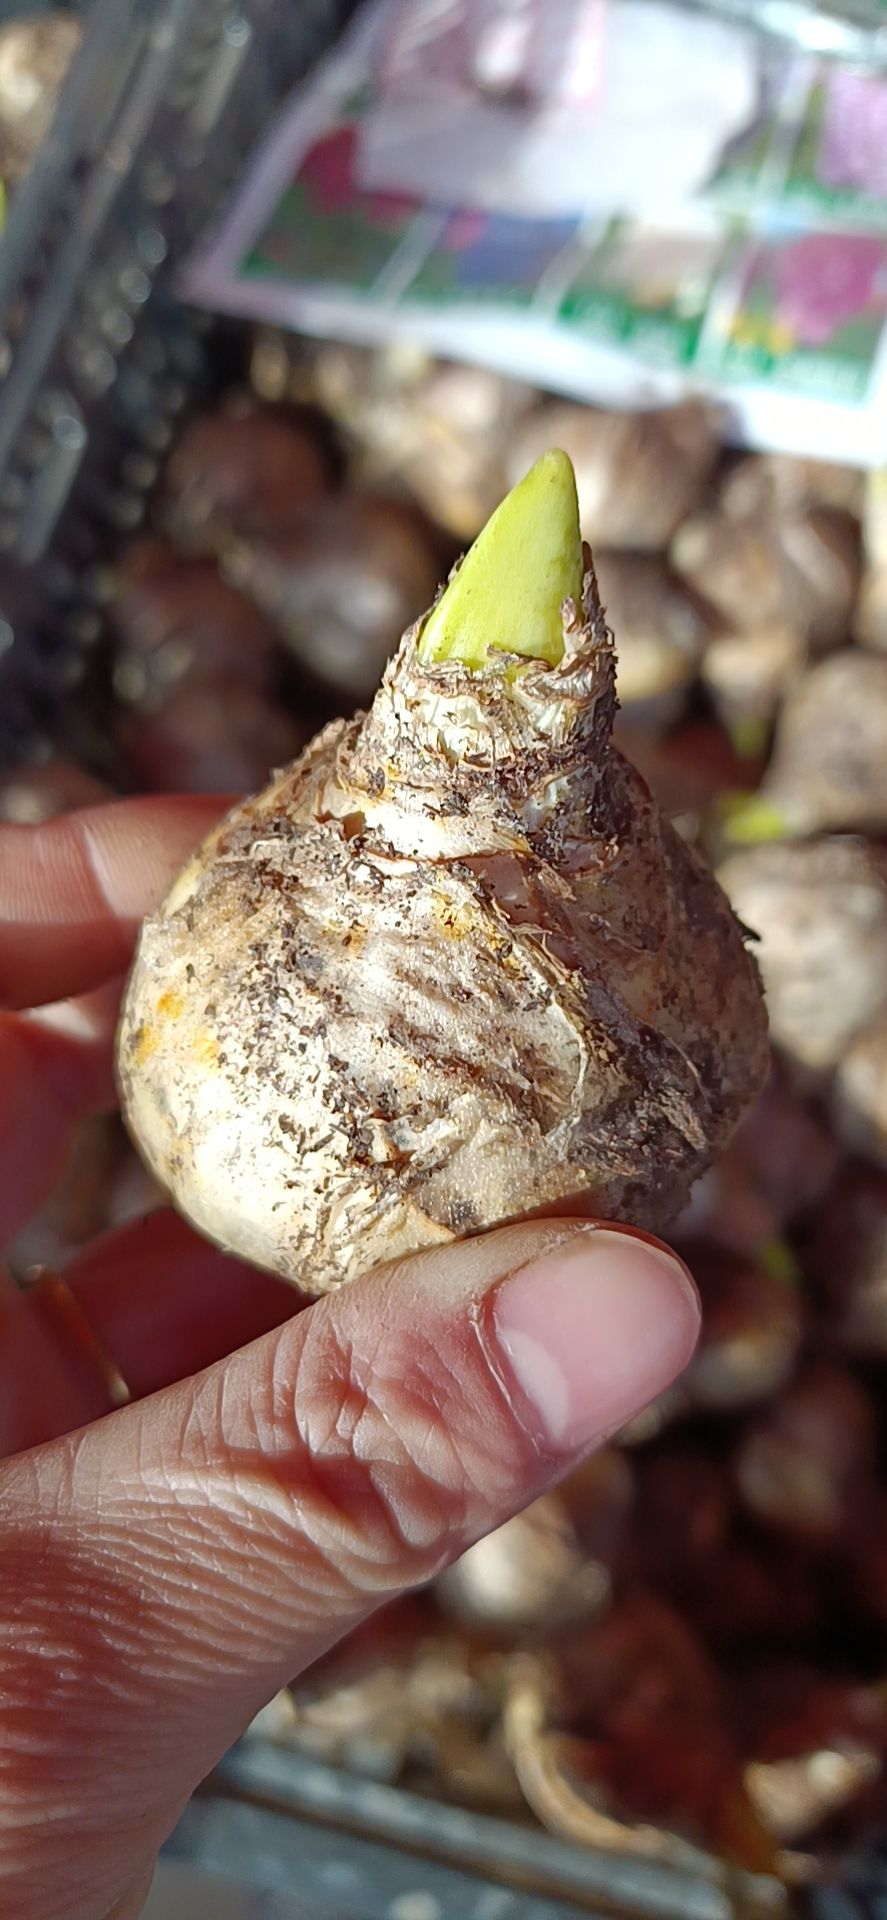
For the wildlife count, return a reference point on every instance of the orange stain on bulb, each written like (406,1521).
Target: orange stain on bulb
(171,1005)
(206,1049)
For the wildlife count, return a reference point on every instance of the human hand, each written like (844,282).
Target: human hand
(167,1568)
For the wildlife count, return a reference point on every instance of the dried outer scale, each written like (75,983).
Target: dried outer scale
(779,483)
(450,967)
(844,1250)
(211,737)
(639,474)
(829,767)
(859,1093)
(341,587)
(820,909)
(247,470)
(662,632)
(770,569)
(747,673)
(806,1464)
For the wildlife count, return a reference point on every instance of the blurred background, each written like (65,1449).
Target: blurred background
(288,298)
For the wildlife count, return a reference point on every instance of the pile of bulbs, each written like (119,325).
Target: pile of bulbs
(685,1646)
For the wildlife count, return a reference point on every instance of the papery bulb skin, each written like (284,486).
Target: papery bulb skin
(453,965)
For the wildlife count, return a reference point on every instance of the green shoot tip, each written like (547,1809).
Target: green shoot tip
(508,593)
(754,820)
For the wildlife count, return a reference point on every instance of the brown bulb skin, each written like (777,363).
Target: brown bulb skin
(683,1517)
(638,474)
(219,738)
(805,1464)
(844,1255)
(864,1565)
(779,483)
(779,1165)
(35,55)
(819,909)
(663,633)
(687,769)
(647,1703)
(762,569)
(859,1093)
(33,793)
(791,1709)
(828,773)
(752,1328)
(341,588)
(251,472)
(179,624)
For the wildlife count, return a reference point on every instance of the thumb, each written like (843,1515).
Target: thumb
(169,1568)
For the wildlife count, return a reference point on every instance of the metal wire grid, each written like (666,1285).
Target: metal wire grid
(162,106)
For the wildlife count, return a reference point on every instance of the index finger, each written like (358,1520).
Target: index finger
(73,891)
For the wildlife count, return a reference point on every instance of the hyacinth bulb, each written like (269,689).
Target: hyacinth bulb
(453,965)
(827,773)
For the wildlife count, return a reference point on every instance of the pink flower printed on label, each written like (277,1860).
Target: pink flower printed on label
(853,153)
(825,279)
(329,172)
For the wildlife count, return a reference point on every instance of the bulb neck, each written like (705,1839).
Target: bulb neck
(491,756)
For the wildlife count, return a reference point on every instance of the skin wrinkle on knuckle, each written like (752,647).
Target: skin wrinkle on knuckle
(353,1462)
(422,1439)
(76,1885)
(60,1702)
(47,1660)
(54,1801)
(375,1505)
(199,1533)
(30,1885)
(440,1469)
(331,1487)
(158,1541)
(73,1685)
(222,1500)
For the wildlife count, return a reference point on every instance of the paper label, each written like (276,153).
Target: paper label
(738,294)
(542,52)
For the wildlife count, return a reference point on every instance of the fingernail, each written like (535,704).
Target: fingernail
(591,1333)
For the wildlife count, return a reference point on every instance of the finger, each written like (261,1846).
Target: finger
(133,1902)
(216,1538)
(55,1069)
(73,891)
(159,1302)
